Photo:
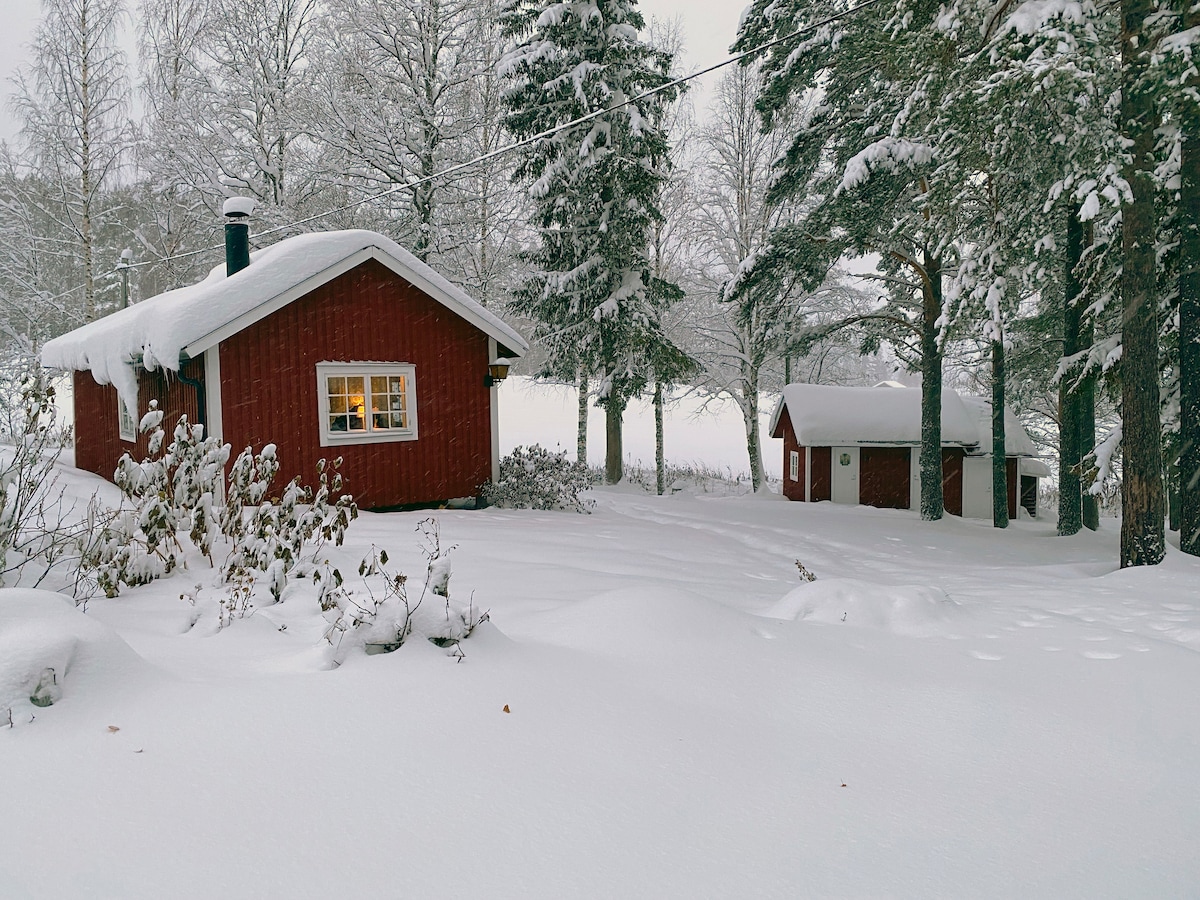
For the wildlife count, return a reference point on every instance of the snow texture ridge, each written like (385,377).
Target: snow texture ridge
(159,328)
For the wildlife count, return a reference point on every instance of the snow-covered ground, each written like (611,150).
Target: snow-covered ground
(659,707)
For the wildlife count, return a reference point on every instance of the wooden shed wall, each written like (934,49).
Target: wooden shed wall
(369,314)
(793,490)
(98,444)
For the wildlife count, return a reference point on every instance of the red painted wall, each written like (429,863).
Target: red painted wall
(269,388)
(821,486)
(952,479)
(793,490)
(98,445)
(884,474)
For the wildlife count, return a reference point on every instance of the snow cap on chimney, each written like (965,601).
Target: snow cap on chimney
(237,207)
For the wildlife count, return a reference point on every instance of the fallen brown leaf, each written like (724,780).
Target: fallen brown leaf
(506,709)
(113,729)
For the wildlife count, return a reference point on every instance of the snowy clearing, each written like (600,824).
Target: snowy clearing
(947,710)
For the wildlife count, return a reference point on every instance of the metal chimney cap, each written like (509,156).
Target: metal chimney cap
(237,207)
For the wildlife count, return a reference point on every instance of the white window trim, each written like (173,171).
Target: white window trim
(366,369)
(794,465)
(126,423)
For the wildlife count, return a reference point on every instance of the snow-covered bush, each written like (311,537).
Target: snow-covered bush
(282,537)
(38,530)
(169,492)
(176,493)
(536,478)
(381,615)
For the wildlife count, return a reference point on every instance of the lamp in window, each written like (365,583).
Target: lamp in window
(497,371)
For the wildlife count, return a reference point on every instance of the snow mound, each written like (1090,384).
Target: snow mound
(640,620)
(914,610)
(48,649)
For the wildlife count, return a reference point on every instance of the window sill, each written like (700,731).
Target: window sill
(341,439)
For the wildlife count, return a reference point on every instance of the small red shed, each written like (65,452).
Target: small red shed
(336,344)
(861,445)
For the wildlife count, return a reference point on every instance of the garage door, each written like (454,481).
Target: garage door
(884,476)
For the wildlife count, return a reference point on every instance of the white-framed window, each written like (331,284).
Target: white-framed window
(794,465)
(126,423)
(363,403)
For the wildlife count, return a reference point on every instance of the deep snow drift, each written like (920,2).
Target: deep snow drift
(947,710)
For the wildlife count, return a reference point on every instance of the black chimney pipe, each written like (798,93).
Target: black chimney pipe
(237,233)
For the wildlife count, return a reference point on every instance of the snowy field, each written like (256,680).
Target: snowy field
(659,707)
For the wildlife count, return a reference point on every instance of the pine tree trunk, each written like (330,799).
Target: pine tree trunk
(1142,537)
(999,459)
(1189,342)
(660,460)
(931,391)
(1070,497)
(614,471)
(582,421)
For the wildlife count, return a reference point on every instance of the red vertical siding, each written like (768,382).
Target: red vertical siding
(269,388)
(821,487)
(98,444)
(1010,467)
(884,475)
(793,490)
(952,479)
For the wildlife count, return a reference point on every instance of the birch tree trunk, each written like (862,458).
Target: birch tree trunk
(660,462)
(581,434)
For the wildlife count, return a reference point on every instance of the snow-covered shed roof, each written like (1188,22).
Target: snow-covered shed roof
(182,323)
(825,415)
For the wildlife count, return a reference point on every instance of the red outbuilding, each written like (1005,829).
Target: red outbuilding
(861,445)
(338,344)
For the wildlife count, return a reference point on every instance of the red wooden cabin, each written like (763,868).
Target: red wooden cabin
(339,344)
(861,445)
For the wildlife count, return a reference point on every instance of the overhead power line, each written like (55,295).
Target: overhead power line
(540,136)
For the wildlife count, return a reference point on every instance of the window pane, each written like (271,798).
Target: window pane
(379,384)
(399,420)
(379,402)
(397,385)
(354,384)
(379,420)
(337,423)
(357,423)
(337,385)
(337,405)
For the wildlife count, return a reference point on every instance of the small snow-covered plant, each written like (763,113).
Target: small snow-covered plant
(456,623)
(805,574)
(535,478)
(283,537)
(383,618)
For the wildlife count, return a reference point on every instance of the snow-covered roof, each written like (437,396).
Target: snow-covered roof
(833,416)
(183,323)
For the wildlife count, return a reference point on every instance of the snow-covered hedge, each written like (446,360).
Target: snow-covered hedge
(535,478)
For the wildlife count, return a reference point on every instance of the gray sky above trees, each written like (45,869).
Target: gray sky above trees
(709,28)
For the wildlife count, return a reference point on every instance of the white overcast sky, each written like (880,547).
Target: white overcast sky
(709,28)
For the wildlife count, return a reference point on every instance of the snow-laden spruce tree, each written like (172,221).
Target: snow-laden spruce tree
(594,187)
(880,159)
